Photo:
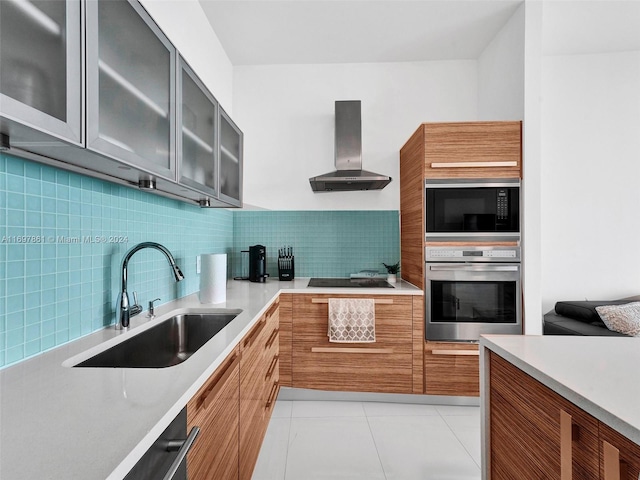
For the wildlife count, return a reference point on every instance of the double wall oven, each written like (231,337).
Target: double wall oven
(473,268)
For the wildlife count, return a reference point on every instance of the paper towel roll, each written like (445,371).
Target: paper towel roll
(213,278)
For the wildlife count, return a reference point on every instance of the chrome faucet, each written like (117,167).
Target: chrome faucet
(124,310)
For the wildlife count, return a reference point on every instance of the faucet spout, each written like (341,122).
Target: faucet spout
(124,309)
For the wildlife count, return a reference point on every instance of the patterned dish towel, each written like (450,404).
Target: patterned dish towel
(352,320)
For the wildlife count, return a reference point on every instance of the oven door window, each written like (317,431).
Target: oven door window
(460,210)
(473,302)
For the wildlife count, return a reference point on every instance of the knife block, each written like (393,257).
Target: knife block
(286,268)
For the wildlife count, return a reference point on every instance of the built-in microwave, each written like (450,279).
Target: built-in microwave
(482,209)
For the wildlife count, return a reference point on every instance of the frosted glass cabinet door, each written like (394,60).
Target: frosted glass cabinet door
(197,130)
(230,143)
(130,87)
(40,76)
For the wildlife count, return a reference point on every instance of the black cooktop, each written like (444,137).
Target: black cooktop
(350,282)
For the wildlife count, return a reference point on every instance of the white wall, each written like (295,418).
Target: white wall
(501,72)
(591,173)
(186,25)
(287,115)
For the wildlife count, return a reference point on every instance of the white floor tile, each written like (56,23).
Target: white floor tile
(375,409)
(310,409)
(282,409)
(272,461)
(332,448)
(421,448)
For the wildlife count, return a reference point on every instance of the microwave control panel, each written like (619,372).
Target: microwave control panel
(502,210)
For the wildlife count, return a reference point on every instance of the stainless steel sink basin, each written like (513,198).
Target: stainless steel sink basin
(169,343)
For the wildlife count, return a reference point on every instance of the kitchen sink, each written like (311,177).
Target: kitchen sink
(169,343)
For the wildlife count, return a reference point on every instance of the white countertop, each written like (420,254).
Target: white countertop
(58,422)
(598,374)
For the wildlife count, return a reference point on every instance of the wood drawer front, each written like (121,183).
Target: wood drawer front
(215,410)
(451,369)
(473,150)
(626,463)
(526,429)
(286,335)
(382,366)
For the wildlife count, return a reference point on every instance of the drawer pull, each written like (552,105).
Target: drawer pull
(272,368)
(614,468)
(475,164)
(255,332)
(273,336)
(378,301)
(272,309)
(350,350)
(566,449)
(470,353)
(210,393)
(272,395)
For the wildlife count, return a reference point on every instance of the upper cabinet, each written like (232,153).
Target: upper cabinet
(132,111)
(130,87)
(473,149)
(40,78)
(198,121)
(230,145)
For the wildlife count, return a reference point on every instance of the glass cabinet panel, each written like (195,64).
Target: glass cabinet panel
(130,87)
(230,143)
(198,124)
(40,74)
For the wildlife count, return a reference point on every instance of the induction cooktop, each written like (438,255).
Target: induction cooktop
(349,283)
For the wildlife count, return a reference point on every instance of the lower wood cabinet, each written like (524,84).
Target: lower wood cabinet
(383,366)
(534,433)
(214,409)
(259,374)
(451,369)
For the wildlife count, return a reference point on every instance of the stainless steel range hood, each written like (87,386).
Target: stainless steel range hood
(349,175)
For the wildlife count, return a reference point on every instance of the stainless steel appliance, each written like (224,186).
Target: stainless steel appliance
(470,291)
(483,209)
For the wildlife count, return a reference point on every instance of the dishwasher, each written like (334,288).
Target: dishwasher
(166,458)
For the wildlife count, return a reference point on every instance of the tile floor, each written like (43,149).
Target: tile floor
(314,440)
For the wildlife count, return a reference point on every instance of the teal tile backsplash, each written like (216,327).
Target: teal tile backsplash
(63,236)
(325,243)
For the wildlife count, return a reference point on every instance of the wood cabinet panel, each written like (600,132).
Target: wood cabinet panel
(384,366)
(534,432)
(451,369)
(412,162)
(418,344)
(259,372)
(622,460)
(286,335)
(215,410)
(473,150)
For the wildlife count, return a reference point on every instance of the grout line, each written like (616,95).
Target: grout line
(374,443)
(458,438)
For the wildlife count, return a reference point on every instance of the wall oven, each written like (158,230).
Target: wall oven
(483,209)
(470,291)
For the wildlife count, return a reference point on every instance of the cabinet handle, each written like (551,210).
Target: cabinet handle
(272,368)
(273,336)
(377,301)
(350,350)
(272,395)
(184,447)
(614,468)
(474,353)
(210,393)
(475,164)
(566,448)
(255,332)
(272,309)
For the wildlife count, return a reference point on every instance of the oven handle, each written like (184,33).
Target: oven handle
(474,268)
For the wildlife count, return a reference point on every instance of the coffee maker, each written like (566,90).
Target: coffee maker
(258,263)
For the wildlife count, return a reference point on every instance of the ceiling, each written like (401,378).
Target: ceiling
(267,32)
